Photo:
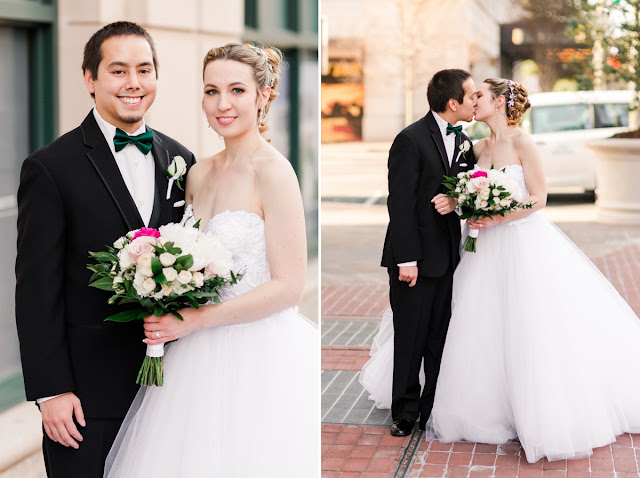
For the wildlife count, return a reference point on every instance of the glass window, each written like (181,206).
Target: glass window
(611,115)
(251,13)
(548,119)
(14,137)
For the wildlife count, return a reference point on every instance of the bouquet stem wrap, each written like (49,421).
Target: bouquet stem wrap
(470,242)
(152,369)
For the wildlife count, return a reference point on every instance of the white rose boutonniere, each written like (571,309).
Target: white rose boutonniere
(464,147)
(175,172)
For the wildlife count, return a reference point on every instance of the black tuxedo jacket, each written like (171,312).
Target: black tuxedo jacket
(417,232)
(72,200)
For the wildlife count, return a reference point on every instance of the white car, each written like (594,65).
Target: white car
(561,124)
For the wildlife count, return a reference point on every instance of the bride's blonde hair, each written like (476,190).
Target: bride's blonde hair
(265,63)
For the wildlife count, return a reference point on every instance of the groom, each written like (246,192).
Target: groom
(76,195)
(421,245)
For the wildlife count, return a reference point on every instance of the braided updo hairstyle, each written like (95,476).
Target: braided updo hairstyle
(500,86)
(265,64)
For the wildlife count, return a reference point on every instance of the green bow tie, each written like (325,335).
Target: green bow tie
(457,130)
(142,141)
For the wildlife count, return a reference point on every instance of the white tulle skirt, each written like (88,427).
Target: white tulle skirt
(238,401)
(540,347)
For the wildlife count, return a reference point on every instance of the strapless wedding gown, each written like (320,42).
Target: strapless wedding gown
(238,401)
(540,347)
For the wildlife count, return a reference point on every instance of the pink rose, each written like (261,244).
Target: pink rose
(480,183)
(479,174)
(139,246)
(146,231)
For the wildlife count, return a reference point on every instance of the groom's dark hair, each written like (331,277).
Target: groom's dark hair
(93,48)
(445,85)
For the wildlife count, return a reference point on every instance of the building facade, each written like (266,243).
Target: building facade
(42,95)
(396,46)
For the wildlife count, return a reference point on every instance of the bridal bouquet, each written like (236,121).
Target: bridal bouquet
(483,193)
(162,271)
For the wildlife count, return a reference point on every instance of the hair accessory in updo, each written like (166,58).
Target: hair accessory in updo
(512,96)
(263,53)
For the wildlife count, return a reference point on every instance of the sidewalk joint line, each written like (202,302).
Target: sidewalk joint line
(409,453)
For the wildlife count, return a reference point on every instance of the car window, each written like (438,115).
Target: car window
(611,115)
(547,119)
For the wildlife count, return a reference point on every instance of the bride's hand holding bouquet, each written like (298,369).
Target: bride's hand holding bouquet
(484,197)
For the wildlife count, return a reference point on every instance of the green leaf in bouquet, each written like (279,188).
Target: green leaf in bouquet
(103,256)
(100,267)
(127,315)
(156,266)
(106,283)
(112,250)
(196,225)
(184,262)
(160,279)
(147,303)
(131,291)
(159,310)
(177,314)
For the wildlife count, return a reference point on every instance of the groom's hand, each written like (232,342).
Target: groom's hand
(57,418)
(408,274)
(443,204)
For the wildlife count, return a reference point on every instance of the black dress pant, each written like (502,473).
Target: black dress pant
(420,319)
(88,460)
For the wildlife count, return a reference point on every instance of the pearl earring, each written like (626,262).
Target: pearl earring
(496,110)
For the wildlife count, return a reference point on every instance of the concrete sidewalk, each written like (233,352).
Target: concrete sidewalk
(355,434)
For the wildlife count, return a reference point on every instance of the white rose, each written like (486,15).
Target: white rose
(166,290)
(124,260)
(143,285)
(167,259)
(198,279)
(118,280)
(496,192)
(145,260)
(504,202)
(184,277)
(460,175)
(458,190)
(119,244)
(464,147)
(484,194)
(178,165)
(170,273)
(462,198)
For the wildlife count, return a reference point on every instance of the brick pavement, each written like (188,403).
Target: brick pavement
(355,435)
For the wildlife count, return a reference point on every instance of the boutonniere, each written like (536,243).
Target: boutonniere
(175,172)
(464,147)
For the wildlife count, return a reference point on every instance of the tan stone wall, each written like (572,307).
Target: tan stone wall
(448,34)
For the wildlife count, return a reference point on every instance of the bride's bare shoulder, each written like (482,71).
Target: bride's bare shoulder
(270,165)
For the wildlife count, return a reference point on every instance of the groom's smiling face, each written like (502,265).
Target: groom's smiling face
(126,83)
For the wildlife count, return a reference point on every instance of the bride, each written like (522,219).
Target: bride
(241,386)
(540,345)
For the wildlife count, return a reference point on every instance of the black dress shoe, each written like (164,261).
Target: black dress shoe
(402,427)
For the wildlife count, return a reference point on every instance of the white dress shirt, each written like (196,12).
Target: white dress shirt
(449,139)
(138,172)
(137,169)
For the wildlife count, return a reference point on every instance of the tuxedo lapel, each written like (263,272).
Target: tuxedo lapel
(437,138)
(105,164)
(161,206)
